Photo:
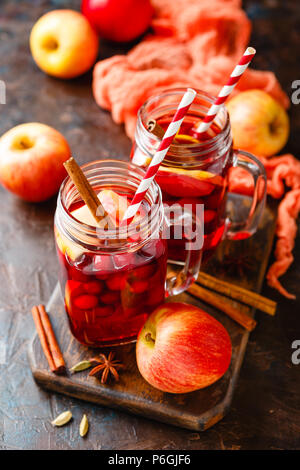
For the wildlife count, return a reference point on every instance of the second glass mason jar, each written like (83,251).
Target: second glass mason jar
(113,279)
(195,171)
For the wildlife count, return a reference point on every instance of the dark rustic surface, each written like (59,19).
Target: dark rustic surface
(265,411)
(197,411)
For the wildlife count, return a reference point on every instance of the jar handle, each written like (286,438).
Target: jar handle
(182,274)
(244,218)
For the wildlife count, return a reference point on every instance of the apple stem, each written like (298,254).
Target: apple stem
(148,337)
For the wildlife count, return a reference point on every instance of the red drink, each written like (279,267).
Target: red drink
(109,296)
(191,181)
(110,281)
(198,185)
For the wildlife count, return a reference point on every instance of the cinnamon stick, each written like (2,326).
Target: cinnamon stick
(86,192)
(159,132)
(155,128)
(48,340)
(238,293)
(240,315)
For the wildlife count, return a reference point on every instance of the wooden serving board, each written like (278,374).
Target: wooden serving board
(241,262)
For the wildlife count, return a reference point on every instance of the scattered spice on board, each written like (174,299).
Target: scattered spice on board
(106,367)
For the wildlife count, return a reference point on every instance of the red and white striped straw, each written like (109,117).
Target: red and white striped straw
(227,89)
(160,154)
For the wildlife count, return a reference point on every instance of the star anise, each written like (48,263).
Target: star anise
(106,366)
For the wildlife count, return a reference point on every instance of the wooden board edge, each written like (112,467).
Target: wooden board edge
(63,385)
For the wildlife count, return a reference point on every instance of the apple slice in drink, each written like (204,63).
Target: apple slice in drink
(84,215)
(114,204)
(185,138)
(179,182)
(67,247)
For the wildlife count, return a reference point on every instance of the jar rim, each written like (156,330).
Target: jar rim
(195,149)
(91,232)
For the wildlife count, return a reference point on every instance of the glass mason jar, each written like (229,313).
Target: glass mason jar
(113,279)
(196,172)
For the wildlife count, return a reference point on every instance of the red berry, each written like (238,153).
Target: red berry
(85,302)
(110,297)
(116,281)
(78,275)
(72,290)
(74,287)
(93,287)
(104,311)
(139,286)
(144,272)
(209,216)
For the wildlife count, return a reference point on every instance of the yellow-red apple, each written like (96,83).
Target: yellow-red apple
(181,348)
(259,123)
(64,44)
(31,161)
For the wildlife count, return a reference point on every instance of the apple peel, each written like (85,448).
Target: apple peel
(197,174)
(67,247)
(181,348)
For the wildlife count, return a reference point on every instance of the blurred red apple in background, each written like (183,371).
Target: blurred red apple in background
(259,123)
(118,20)
(31,161)
(181,348)
(64,44)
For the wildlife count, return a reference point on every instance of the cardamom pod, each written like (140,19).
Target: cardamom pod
(84,426)
(62,419)
(81,366)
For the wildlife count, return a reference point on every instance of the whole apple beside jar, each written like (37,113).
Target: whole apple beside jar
(181,348)
(259,124)
(64,44)
(31,161)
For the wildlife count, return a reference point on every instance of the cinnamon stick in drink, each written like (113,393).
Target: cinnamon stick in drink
(87,193)
(158,131)
(155,128)
(48,340)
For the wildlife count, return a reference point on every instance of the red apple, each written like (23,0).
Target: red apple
(31,161)
(64,44)
(117,20)
(181,348)
(259,123)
